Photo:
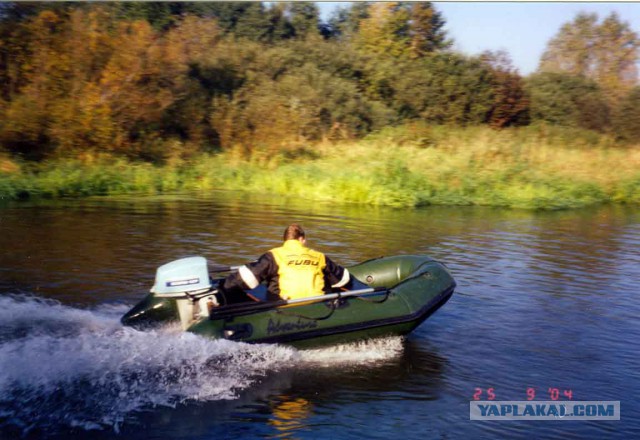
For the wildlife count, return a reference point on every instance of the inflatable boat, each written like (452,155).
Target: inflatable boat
(394,295)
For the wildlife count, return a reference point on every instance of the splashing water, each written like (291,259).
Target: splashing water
(355,353)
(63,366)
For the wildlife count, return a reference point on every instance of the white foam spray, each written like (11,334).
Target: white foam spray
(65,366)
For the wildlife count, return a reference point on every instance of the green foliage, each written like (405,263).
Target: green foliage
(442,89)
(297,92)
(304,18)
(627,191)
(303,104)
(567,100)
(626,122)
(73,178)
(158,14)
(253,23)
(345,22)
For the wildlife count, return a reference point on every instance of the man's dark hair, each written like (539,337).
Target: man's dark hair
(293,232)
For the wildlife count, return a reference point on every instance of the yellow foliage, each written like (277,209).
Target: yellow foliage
(379,34)
(147,73)
(127,64)
(193,39)
(8,166)
(82,123)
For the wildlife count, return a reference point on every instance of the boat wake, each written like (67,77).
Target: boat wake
(65,367)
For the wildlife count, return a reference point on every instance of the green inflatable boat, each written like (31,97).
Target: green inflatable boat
(396,295)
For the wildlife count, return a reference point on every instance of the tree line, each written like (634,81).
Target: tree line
(156,80)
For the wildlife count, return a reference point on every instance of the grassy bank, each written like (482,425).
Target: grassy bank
(533,168)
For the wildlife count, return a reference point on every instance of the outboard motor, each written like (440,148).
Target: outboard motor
(186,281)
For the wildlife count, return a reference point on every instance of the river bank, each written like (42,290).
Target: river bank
(409,167)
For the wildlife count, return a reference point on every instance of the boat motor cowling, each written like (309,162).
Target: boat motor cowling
(186,281)
(183,277)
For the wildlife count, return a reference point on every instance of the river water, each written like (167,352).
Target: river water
(546,303)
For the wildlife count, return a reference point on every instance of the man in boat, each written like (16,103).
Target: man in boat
(292,271)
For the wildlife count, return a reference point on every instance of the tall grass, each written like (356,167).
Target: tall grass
(75,178)
(532,168)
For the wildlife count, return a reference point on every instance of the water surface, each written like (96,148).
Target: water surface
(545,300)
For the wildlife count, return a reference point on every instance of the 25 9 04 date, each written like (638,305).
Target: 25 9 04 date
(552,393)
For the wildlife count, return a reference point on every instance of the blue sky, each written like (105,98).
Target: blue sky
(523,29)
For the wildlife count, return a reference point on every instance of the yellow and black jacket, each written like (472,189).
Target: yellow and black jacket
(292,271)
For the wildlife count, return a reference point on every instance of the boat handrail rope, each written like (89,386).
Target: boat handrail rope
(254,307)
(386,297)
(337,295)
(333,304)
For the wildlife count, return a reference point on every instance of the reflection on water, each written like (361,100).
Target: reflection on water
(289,414)
(544,300)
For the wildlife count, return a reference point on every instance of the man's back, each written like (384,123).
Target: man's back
(291,271)
(300,270)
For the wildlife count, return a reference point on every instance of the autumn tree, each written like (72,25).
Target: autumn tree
(426,33)
(56,106)
(617,55)
(84,80)
(572,50)
(510,100)
(399,29)
(605,52)
(147,81)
